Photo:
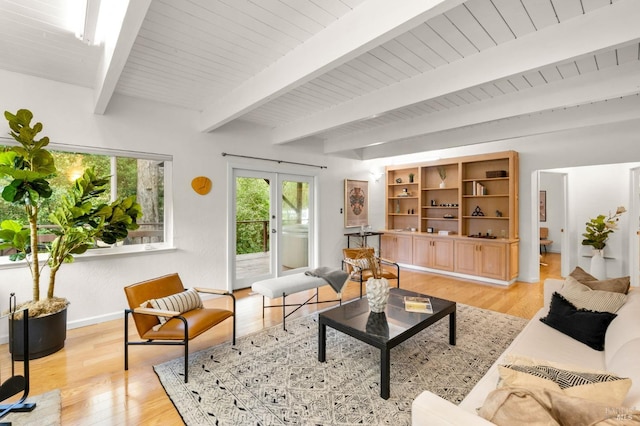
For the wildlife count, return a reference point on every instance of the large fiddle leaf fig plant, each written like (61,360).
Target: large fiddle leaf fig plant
(80,219)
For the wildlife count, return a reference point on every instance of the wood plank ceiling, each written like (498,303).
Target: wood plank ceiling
(353,75)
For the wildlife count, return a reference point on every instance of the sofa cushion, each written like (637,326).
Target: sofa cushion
(583,297)
(620,332)
(588,327)
(618,285)
(625,362)
(595,385)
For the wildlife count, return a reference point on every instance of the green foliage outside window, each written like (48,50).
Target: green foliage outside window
(252,211)
(252,201)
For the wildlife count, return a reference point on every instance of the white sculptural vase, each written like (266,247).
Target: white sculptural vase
(377,294)
(443,185)
(598,266)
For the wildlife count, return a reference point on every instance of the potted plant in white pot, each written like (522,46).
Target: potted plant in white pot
(597,233)
(80,219)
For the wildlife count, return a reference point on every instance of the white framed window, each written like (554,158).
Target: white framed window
(146,175)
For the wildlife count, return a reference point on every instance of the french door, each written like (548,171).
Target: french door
(272,225)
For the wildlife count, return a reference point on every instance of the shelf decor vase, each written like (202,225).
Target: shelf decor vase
(377,294)
(598,266)
(442,184)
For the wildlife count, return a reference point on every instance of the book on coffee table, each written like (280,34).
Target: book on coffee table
(418,304)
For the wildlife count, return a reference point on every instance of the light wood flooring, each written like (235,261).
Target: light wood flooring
(97,391)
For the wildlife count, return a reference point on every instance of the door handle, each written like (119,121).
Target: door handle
(273,231)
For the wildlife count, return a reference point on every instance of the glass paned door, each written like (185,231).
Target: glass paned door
(272,225)
(254,215)
(295,214)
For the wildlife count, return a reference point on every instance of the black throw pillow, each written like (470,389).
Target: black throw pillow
(588,327)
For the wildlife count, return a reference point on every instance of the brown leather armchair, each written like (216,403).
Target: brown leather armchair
(179,327)
(388,269)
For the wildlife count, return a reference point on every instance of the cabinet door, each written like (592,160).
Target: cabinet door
(404,249)
(388,246)
(397,248)
(422,251)
(465,255)
(442,254)
(493,261)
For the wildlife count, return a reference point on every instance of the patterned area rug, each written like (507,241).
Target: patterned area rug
(273,377)
(47,411)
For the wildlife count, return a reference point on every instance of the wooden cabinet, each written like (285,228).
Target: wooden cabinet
(486,259)
(474,196)
(433,252)
(397,248)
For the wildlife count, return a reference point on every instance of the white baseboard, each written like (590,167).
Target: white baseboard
(459,275)
(81,323)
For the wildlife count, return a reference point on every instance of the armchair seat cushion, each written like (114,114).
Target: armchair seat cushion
(198,320)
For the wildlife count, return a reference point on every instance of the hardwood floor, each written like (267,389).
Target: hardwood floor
(96,390)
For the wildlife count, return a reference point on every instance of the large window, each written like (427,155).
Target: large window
(142,175)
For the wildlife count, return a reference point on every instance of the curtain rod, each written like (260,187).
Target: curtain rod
(224,154)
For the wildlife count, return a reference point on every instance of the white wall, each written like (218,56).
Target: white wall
(94,286)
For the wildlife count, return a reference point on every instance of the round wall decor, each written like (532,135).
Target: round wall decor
(201,184)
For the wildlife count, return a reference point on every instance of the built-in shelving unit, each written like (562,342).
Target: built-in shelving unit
(403,198)
(473,201)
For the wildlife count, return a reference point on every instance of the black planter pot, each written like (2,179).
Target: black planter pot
(46,335)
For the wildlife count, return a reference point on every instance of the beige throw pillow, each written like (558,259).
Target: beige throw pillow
(595,385)
(618,285)
(583,297)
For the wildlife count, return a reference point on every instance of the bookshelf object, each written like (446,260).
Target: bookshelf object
(472,199)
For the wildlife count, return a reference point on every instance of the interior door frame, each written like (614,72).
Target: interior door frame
(565,260)
(279,173)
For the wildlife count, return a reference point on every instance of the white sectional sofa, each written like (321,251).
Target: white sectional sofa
(621,356)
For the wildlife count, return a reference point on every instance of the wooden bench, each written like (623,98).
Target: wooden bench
(274,288)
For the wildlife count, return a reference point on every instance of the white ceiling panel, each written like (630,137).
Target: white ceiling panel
(192,53)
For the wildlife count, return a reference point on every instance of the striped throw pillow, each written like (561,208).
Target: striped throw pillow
(583,297)
(360,263)
(180,302)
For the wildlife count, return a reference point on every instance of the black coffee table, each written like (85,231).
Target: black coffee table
(385,330)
